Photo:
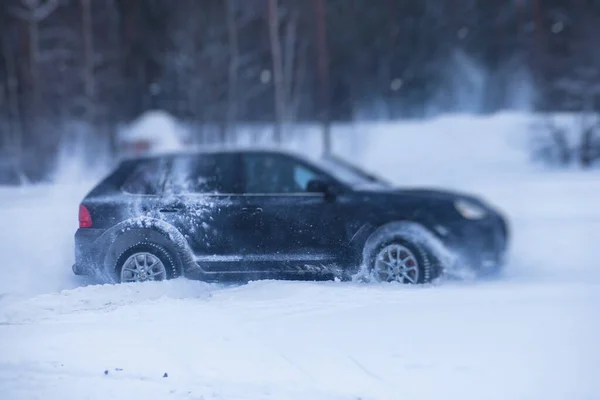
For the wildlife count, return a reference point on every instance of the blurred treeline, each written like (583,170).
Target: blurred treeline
(82,67)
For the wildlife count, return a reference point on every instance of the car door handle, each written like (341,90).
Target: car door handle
(252,210)
(170,209)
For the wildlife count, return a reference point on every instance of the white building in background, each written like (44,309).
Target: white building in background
(153,132)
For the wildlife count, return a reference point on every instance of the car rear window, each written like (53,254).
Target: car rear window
(147,178)
(183,174)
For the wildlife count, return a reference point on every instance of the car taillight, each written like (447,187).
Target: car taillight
(85,219)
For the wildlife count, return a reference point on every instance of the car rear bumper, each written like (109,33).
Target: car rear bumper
(87,252)
(81,270)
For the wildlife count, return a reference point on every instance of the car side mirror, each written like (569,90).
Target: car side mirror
(321,186)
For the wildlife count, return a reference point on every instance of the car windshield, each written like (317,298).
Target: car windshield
(350,174)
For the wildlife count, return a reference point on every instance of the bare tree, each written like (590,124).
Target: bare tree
(288,64)
(277,58)
(4,118)
(550,142)
(294,65)
(33,12)
(581,84)
(323,72)
(288,53)
(89,81)
(14,116)
(232,95)
(12,89)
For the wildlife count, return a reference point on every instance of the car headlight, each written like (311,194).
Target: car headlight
(470,210)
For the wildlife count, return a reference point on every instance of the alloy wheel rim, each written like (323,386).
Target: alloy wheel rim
(396,263)
(143,267)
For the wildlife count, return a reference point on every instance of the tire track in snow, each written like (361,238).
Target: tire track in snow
(367,371)
(295,365)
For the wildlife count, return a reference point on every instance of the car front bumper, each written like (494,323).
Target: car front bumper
(481,245)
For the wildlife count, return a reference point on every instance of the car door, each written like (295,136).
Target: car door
(202,198)
(291,227)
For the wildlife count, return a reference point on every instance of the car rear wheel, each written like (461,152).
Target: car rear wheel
(145,262)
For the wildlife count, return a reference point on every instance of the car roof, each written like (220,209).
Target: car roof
(215,151)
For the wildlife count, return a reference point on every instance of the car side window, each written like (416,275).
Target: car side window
(275,174)
(210,174)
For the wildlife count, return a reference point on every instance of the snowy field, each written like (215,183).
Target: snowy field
(531,334)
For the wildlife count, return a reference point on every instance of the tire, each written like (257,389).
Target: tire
(418,263)
(171,269)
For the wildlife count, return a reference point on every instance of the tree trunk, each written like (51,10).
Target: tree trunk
(16,131)
(33,66)
(88,61)
(540,37)
(229,133)
(277,70)
(323,71)
(4,118)
(585,152)
(289,56)
(299,77)
(13,95)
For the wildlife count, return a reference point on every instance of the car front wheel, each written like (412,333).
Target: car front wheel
(398,260)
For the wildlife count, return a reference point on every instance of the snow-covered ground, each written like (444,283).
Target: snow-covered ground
(532,334)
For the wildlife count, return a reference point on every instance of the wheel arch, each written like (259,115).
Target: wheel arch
(134,231)
(410,231)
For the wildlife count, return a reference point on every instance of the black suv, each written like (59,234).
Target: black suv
(251,214)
